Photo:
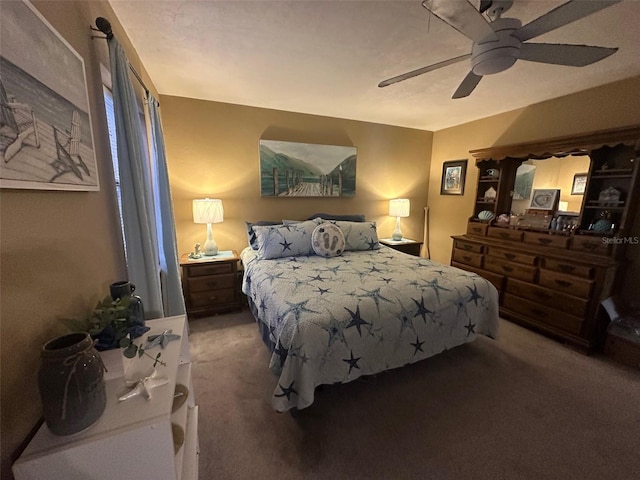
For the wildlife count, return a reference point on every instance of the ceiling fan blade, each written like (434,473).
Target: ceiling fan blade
(420,71)
(462,16)
(562,54)
(560,16)
(468,84)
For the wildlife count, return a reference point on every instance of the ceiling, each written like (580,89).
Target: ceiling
(327,57)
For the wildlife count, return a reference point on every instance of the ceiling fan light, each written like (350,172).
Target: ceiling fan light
(494,61)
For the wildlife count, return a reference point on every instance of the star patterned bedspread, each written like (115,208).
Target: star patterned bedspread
(332,320)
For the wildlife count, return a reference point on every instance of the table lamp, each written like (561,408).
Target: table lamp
(398,208)
(208,211)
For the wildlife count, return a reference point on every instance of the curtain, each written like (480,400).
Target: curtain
(138,215)
(165,225)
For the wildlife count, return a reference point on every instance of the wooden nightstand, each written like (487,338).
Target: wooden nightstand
(211,284)
(406,245)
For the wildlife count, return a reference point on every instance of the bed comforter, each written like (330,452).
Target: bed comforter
(332,320)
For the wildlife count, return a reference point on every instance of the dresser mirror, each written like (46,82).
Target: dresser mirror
(553,173)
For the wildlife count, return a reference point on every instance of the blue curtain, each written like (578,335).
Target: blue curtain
(138,215)
(170,278)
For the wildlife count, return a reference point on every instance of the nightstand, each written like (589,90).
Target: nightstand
(211,284)
(406,245)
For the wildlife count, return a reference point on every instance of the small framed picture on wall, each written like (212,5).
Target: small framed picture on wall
(579,184)
(454,173)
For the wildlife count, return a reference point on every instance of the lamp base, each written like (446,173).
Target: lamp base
(210,246)
(397,233)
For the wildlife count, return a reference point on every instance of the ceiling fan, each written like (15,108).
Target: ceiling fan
(500,42)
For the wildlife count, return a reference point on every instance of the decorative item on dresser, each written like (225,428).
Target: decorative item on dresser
(553,269)
(211,284)
(406,245)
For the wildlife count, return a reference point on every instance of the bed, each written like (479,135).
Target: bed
(330,320)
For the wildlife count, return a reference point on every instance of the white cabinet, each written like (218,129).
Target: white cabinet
(133,438)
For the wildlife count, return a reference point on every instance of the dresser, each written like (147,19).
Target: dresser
(211,284)
(133,439)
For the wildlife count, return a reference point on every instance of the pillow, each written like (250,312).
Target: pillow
(317,221)
(277,241)
(359,235)
(251,235)
(346,218)
(327,240)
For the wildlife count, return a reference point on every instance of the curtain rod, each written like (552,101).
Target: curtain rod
(104,26)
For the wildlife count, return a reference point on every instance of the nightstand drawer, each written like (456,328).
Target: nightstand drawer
(209,299)
(212,269)
(565,283)
(470,258)
(513,256)
(510,269)
(211,282)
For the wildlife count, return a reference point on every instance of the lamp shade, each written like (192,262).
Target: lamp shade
(207,210)
(399,207)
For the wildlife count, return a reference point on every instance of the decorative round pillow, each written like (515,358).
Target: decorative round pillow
(327,240)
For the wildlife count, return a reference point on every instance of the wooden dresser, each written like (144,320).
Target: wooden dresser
(549,282)
(211,284)
(550,278)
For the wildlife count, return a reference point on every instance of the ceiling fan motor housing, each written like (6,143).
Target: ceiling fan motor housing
(488,57)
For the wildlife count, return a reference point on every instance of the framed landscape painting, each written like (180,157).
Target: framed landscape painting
(289,169)
(46,139)
(454,174)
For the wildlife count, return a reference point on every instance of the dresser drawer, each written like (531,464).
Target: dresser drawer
(478,229)
(551,298)
(494,278)
(542,314)
(512,256)
(213,269)
(562,266)
(505,234)
(211,298)
(546,239)
(211,282)
(510,269)
(469,246)
(579,287)
(595,245)
(470,258)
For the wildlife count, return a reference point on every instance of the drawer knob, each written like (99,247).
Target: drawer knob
(466,258)
(563,283)
(542,295)
(507,268)
(504,235)
(544,241)
(590,245)
(467,247)
(510,256)
(566,268)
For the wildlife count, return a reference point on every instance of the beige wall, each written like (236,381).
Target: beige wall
(611,106)
(59,251)
(212,150)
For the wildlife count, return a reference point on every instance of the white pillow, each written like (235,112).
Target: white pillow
(277,241)
(327,240)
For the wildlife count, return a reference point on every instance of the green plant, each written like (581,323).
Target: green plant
(110,312)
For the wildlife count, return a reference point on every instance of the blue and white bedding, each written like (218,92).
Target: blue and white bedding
(331,320)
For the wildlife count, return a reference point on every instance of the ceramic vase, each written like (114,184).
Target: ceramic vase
(71,383)
(135,314)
